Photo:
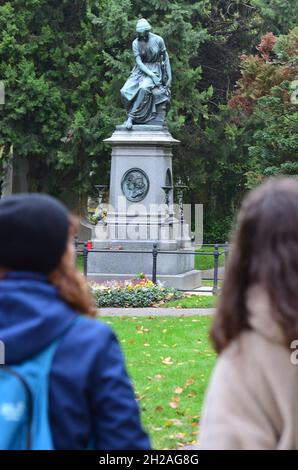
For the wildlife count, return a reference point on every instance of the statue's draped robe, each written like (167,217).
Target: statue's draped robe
(139,94)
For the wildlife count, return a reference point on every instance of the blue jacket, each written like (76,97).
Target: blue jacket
(90,396)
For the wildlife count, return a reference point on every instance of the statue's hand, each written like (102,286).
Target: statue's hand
(156,80)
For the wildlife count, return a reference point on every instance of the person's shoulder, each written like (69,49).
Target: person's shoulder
(237,353)
(94,326)
(234,363)
(89,341)
(251,354)
(88,333)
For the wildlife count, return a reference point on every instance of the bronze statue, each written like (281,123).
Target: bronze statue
(146,94)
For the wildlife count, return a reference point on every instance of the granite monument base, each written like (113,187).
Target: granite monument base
(140,213)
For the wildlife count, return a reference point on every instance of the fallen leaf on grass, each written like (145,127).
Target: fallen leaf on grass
(140,397)
(159,377)
(174,403)
(189,381)
(159,408)
(167,361)
(180,435)
(178,390)
(180,445)
(173,422)
(177,399)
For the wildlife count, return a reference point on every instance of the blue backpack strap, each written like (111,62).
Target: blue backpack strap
(24,402)
(16,410)
(37,373)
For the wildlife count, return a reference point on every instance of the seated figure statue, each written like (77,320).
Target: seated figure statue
(146,93)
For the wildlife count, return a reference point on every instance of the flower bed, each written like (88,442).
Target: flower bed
(137,292)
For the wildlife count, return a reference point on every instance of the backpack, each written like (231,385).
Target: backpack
(24,403)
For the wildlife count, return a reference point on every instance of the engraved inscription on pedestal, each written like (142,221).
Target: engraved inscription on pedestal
(135,184)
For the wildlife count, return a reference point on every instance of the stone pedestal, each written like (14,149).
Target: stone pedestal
(138,213)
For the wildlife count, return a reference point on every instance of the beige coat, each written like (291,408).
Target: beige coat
(252,400)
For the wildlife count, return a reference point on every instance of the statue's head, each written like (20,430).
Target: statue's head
(143,28)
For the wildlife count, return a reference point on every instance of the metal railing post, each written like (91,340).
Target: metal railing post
(154,265)
(226,251)
(85,258)
(215,275)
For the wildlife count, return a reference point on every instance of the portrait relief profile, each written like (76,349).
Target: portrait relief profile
(135,185)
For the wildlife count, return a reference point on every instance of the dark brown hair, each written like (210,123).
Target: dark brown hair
(72,287)
(264,251)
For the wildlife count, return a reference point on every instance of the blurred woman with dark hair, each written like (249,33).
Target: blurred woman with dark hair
(85,399)
(252,400)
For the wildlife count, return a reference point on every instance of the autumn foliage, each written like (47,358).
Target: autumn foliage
(275,62)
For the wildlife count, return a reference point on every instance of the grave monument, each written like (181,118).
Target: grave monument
(140,211)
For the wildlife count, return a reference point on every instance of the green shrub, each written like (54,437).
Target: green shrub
(135,293)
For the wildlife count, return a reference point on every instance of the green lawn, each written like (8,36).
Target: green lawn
(193,301)
(80,263)
(170,361)
(209,282)
(203,262)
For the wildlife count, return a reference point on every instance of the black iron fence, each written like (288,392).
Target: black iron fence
(219,250)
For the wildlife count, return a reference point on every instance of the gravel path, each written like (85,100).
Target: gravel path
(154,312)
